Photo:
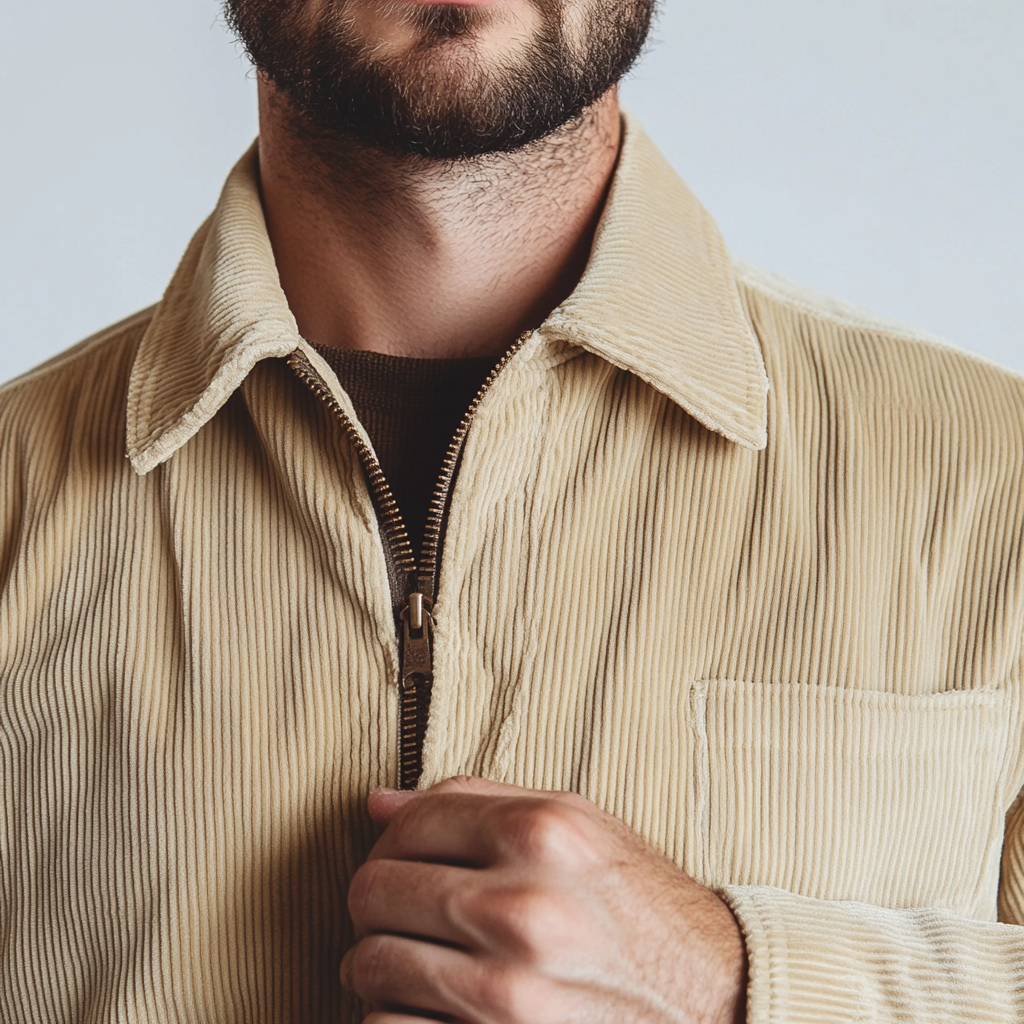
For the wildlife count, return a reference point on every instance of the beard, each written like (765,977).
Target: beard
(441,98)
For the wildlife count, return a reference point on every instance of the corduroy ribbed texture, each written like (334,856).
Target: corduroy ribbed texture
(783,641)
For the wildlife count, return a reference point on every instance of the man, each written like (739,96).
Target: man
(452,464)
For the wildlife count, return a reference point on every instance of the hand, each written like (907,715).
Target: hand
(489,904)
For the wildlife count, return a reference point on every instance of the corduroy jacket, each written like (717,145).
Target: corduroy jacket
(740,563)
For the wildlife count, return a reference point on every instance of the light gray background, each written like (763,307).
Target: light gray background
(870,148)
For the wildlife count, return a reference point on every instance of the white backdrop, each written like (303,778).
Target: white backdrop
(872,149)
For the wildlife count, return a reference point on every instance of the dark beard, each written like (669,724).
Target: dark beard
(424,102)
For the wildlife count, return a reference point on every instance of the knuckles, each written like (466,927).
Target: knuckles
(462,784)
(527,923)
(507,993)
(554,832)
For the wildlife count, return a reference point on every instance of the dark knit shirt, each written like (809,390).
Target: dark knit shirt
(411,409)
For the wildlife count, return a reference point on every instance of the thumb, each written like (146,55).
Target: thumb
(384,804)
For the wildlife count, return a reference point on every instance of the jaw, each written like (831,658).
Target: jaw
(441,80)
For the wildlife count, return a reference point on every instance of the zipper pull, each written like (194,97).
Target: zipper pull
(417,657)
(417,633)
(416,682)
(416,609)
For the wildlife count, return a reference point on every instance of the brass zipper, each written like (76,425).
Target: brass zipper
(413,586)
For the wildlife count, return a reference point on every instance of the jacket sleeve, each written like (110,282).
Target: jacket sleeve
(828,962)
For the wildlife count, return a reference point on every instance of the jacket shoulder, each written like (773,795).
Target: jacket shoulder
(91,377)
(875,361)
(60,423)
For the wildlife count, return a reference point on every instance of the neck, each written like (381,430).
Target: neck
(415,257)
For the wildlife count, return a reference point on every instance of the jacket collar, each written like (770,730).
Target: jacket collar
(658,299)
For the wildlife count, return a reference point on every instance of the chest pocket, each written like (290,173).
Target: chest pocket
(838,794)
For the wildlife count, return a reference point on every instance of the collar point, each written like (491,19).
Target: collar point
(145,461)
(755,441)
(746,428)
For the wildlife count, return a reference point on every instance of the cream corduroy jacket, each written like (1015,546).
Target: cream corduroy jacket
(777,631)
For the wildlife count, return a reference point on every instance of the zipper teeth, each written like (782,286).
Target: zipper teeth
(413,702)
(391,524)
(435,513)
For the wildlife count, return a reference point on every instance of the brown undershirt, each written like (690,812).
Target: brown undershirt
(411,409)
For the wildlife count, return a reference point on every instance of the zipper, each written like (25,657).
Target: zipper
(413,584)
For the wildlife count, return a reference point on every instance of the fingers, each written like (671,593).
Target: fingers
(383,1017)
(491,912)
(411,898)
(439,827)
(384,804)
(482,787)
(465,826)
(406,977)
